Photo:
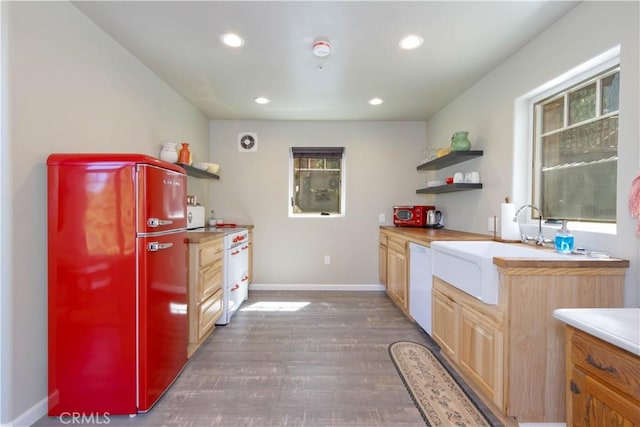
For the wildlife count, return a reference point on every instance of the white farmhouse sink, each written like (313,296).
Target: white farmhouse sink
(468,265)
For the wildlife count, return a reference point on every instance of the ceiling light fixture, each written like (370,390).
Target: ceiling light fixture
(232,40)
(375,101)
(321,48)
(411,41)
(262,100)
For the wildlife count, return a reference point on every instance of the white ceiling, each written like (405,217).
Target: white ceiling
(180,42)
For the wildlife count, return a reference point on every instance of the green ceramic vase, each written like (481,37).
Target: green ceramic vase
(460,142)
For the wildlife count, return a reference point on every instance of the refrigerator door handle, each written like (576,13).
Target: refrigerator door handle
(156,222)
(156,246)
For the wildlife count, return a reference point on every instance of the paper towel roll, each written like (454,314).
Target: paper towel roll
(509,229)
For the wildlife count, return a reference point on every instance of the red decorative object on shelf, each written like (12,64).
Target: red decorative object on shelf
(185,154)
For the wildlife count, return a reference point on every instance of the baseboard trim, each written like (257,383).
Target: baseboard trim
(30,416)
(314,287)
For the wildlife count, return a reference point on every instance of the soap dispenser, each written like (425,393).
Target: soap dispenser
(564,240)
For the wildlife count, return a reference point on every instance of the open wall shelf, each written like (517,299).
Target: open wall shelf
(452,158)
(198,173)
(449,188)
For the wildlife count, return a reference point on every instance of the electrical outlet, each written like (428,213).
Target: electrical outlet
(491,225)
(381,218)
(327,260)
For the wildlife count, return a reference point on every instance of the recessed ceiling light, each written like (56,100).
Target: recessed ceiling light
(262,100)
(412,41)
(232,40)
(375,101)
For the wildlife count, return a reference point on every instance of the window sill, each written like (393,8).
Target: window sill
(592,227)
(531,228)
(315,215)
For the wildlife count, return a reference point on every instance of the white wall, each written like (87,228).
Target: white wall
(381,160)
(487,111)
(71,88)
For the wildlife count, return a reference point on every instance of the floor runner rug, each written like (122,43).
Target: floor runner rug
(439,398)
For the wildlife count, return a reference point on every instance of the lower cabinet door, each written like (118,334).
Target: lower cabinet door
(594,404)
(397,277)
(481,353)
(209,311)
(445,324)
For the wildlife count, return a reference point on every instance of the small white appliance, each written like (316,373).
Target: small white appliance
(235,286)
(420,283)
(195,217)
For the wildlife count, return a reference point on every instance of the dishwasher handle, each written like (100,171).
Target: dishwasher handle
(414,247)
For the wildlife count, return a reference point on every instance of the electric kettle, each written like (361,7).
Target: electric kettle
(434,219)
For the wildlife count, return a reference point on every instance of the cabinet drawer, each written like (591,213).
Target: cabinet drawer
(210,280)
(209,311)
(397,245)
(610,364)
(383,239)
(210,251)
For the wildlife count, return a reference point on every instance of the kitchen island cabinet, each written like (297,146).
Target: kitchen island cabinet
(602,374)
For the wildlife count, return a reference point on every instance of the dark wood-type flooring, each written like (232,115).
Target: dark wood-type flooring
(284,363)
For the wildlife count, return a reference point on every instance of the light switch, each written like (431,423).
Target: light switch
(381,218)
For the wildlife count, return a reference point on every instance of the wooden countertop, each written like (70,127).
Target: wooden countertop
(425,236)
(213,233)
(576,261)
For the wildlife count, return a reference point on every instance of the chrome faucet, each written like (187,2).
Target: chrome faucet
(539,240)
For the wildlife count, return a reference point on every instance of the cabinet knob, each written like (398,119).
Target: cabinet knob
(574,387)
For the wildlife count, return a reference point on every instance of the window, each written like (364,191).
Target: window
(576,150)
(316,181)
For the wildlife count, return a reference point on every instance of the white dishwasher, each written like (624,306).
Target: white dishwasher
(420,282)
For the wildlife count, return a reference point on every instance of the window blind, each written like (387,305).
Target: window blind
(317,152)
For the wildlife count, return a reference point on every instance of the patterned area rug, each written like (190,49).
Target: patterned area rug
(439,398)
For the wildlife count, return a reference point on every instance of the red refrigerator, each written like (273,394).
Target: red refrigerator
(117,273)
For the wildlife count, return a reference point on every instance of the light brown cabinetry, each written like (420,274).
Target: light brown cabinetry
(603,383)
(397,283)
(470,334)
(445,330)
(204,290)
(512,353)
(250,268)
(382,258)
(481,350)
